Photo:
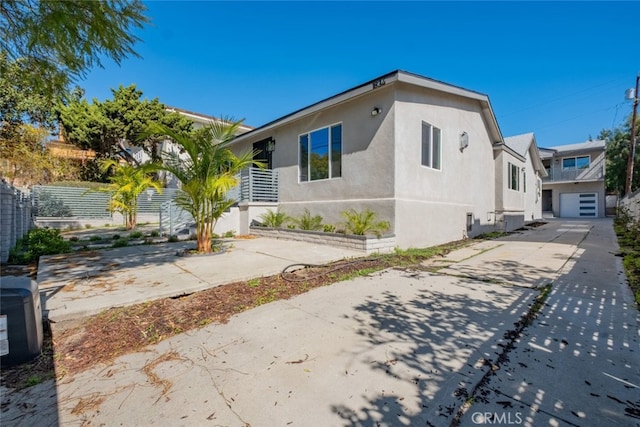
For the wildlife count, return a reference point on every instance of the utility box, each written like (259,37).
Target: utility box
(20,320)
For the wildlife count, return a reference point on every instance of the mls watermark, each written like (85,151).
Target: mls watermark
(497,418)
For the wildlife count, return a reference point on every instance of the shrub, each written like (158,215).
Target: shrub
(135,235)
(229,234)
(88,226)
(154,233)
(173,238)
(73,239)
(329,228)
(37,242)
(94,238)
(274,219)
(308,222)
(115,237)
(362,223)
(120,243)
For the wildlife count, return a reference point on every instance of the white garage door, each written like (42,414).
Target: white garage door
(578,205)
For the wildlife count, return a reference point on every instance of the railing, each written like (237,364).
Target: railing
(173,219)
(594,172)
(256,185)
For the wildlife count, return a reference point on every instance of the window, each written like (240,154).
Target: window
(573,163)
(514,177)
(321,154)
(431,146)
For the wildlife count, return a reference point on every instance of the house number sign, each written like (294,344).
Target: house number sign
(378,83)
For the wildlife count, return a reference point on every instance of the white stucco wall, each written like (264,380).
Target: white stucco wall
(533,194)
(509,203)
(432,205)
(367,160)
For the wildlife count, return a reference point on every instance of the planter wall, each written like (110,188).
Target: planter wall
(365,244)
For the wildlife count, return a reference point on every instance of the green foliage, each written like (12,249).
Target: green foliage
(101,126)
(115,237)
(95,238)
(628,230)
(37,242)
(329,228)
(120,243)
(173,239)
(229,234)
(274,219)
(617,157)
(308,222)
(56,42)
(27,160)
(127,184)
(154,233)
(362,223)
(207,174)
(73,239)
(135,235)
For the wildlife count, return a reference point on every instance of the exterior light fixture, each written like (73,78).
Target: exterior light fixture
(376,111)
(271,145)
(464,140)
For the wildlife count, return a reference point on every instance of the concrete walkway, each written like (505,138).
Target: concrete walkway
(85,283)
(396,348)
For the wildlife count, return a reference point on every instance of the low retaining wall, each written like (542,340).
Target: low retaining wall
(365,244)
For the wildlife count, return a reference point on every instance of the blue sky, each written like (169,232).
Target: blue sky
(559,70)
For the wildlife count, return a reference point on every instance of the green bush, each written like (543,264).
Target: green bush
(115,237)
(229,234)
(274,219)
(173,238)
(362,223)
(154,233)
(120,243)
(329,228)
(95,238)
(308,222)
(135,234)
(73,239)
(37,242)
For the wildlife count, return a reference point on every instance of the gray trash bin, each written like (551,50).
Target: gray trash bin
(20,320)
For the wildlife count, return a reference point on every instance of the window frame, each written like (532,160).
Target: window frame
(575,159)
(330,160)
(433,151)
(511,168)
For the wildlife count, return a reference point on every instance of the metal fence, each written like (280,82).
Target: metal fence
(67,202)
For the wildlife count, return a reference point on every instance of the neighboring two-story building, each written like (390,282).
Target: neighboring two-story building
(575,182)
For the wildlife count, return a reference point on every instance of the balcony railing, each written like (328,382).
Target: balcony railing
(256,185)
(590,174)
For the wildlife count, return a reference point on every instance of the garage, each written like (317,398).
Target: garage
(578,205)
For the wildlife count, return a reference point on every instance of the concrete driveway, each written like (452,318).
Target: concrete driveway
(396,348)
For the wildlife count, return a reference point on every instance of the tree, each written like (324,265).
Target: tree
(206,171)
(127,184)
(617,156)
(26,160)
(100,126)
(56,42)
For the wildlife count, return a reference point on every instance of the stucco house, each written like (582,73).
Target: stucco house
(575,185)
(424,155)
(522,182)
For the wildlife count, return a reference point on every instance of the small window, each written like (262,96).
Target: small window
(431,146)
(514,177)
(320,154)
(573,163)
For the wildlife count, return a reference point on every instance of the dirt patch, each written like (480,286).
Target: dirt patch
(71,347)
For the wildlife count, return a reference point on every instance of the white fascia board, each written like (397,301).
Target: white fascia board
(501,146)
(326,103)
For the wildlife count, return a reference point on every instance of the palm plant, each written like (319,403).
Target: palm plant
(274,219)
(361,223)
(206,172)
(127,184)
(308,222)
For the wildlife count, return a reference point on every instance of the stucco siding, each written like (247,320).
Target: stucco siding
(578,187)
(432,203)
